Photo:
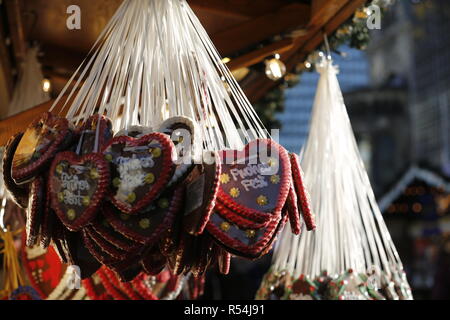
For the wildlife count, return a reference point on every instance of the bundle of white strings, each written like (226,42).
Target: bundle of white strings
(28,91)
(153,61)
(351,232)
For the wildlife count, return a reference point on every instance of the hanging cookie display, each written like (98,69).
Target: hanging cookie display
(143,186)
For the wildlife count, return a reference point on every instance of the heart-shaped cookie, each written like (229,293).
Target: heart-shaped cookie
(304,202)
(35,210)
(224,261)
(19,193)
(39,144)
(96,132)
(241,237)
(293,211)
(153,262)
(134,131)
(77,187)
(150,225)
(202,186)
(255,181)
(184,134)
(243,242)
(141,169)
(102,227)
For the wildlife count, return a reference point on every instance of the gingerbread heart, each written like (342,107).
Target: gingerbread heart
(242,238)
(77,187)
(304,202)
(256,180)
(150,225)
(293,211)
(35,210)
(39,144)
(153,262)
(19,193)
(224,262)
(96,251)
(96,132)
(134,131)
(141,169)
(246,242)
(102,227)
(202,186)
(206,251)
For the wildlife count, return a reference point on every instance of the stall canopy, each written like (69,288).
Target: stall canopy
(246,32)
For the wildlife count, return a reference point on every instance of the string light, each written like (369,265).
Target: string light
(226,60)
(46,85)
(275,68)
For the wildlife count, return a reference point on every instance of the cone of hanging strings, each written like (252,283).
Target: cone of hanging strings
(351,254)
(31,88)
(155,158)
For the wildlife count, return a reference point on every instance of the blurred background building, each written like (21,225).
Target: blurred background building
(397,93)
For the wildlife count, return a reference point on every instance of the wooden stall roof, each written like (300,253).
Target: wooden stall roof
(246,31)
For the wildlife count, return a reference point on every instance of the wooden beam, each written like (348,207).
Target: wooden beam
(19,122)
(6,74)
(323,20)
(262,28)
(254,57)
(16,27)
(240,9)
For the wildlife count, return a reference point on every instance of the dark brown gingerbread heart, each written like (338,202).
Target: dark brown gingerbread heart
(150,225)
(95,132)
(102,227)
(35,210)
(77,187)
(141,169)
(202,187)
(153,262)
(19,193)
(39,144)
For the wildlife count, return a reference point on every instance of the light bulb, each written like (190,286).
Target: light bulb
(275,69)
(46,85)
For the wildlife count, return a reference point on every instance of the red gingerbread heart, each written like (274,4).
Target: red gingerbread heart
(39,144)
(256,181)
(141,169)
(304,202)
(77,187)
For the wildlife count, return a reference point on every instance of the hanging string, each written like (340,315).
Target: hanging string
(351,231)
(143,70)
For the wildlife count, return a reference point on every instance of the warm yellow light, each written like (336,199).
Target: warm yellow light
(226,60)
(275,69)
(46,85)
